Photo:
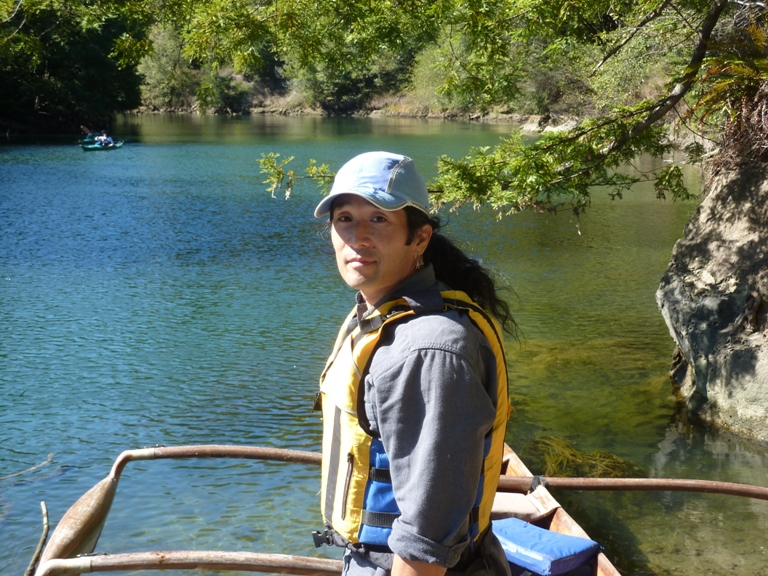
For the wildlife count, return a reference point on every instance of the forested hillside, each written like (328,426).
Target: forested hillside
(63,64)
(59,63)
(624,67)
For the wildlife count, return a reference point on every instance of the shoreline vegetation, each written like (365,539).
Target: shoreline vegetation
(282,107)
(389,106)
(401,106)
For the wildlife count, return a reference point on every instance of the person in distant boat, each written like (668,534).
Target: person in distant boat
(414,396)
(105,139)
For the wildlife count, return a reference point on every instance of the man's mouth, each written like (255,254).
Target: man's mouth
(357,262)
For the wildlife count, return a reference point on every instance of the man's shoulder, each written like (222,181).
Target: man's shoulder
(443,339)
(451,331)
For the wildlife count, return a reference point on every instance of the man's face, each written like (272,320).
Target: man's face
(370,245)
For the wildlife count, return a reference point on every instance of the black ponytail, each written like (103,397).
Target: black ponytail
(459,271)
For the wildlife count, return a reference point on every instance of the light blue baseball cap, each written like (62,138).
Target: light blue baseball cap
(389,181)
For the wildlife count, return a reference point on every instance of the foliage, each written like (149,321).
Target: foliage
(477,71)
(557,170)
(560,169)
(225,31)
(733,91)
(553,82)
(640,71)
(476,55)
(321,174)
(277,175)
(425,76)
(340,91)
(58,63)
(344,55)
(223,93)
(168,79)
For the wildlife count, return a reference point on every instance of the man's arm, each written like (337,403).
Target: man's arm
(402,567)
(427,398)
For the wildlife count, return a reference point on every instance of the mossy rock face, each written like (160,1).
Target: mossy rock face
(712,298)
(552,456)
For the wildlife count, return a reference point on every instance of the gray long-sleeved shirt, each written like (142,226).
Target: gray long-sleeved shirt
(430,393)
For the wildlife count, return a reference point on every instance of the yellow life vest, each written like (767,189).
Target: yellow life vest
(355,500)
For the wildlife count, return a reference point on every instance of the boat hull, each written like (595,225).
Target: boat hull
(95,147)
(79,529)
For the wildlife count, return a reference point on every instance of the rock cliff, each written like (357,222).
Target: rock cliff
(712,297)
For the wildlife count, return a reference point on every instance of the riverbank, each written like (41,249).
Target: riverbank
(399,107)
(393,106)
(404,106)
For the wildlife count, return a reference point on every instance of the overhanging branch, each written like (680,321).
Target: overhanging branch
(648,18)
(683,86)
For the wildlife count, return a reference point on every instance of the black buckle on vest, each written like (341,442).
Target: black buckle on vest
(321,538)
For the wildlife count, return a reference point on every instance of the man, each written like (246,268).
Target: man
(414,396)
(105,139)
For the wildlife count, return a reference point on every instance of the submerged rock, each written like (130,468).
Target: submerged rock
(712,297)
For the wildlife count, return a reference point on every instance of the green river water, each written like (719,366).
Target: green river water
(157,294)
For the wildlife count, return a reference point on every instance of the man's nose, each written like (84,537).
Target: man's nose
(360,234)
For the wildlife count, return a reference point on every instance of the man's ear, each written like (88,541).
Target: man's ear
(423,236)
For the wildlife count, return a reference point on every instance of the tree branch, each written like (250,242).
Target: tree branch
(457,59)
(648,18)
(13,13)
(683,86)
(578,133)
(682,16)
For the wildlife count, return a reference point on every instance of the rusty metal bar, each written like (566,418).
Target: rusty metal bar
(192,560)
(523,484)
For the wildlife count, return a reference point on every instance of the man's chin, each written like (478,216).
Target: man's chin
(356,281)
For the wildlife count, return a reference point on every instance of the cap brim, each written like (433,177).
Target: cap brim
(327,203)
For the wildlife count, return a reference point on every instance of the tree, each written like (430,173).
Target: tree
(479,39)
(59,61)
(334,53)
(168,79)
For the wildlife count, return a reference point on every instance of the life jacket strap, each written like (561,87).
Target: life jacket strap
(380,475)
(474,515)
(368,325)
(379,519)
(386,519)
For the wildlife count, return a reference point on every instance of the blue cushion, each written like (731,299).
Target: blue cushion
(541,551)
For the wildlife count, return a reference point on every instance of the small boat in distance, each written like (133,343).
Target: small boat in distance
(90,137)
(91,146)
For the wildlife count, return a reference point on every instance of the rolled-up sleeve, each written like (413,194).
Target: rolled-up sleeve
(429,400)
